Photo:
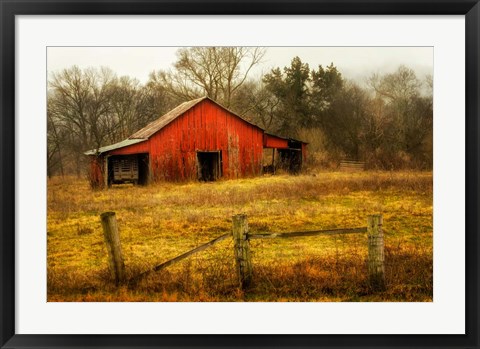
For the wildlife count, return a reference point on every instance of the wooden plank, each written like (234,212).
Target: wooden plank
(189,253)
(307,233)
(348,162)
(352,162)
(352,166)
(182,256)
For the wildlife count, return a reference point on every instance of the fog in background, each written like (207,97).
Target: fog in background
(355,63)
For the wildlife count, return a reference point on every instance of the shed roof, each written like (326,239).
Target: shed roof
(124,143)
(287,139)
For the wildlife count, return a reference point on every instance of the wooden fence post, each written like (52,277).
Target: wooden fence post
(376,257)
(242,250)
(112,239)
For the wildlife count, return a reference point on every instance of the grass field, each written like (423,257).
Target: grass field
(160,221)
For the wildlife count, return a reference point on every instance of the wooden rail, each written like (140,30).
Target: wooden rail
(375,262)
(241,242)
(181,257)
(307,233)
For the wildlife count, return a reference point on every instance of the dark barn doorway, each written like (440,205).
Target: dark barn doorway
(209,165)
(290,160)
(128,169)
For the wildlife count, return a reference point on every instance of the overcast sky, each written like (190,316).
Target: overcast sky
(353,62)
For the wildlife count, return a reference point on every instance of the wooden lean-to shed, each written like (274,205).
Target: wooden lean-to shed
(199,139)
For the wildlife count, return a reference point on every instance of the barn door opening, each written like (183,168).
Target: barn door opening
(128,169)
(209,165)
(290,160)
(143,169)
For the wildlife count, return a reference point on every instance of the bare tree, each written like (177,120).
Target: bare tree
(400,85)
(408,113)
(55,142)
(217,72)
(126,101)
(257,104)
(79,104)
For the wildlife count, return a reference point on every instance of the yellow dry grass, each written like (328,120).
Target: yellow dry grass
(160,221)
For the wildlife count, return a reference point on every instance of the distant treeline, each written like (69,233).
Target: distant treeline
(387,122)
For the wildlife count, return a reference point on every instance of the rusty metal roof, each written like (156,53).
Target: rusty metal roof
(122,144)
(164,120)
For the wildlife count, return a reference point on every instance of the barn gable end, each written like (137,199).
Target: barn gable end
(236,145)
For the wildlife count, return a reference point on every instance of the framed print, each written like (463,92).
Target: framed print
(239,174)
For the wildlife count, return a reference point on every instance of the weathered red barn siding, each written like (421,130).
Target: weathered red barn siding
(96,171)
(271,141)
(206,127)
(138,148)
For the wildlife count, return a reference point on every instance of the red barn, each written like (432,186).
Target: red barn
(199,139)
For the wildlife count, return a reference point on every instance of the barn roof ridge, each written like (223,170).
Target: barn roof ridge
(234,113)
(167,118)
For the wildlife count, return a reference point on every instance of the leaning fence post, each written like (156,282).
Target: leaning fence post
(242,250)
(112,239)
(376,257)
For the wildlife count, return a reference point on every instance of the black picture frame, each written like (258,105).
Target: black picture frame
(10,8)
